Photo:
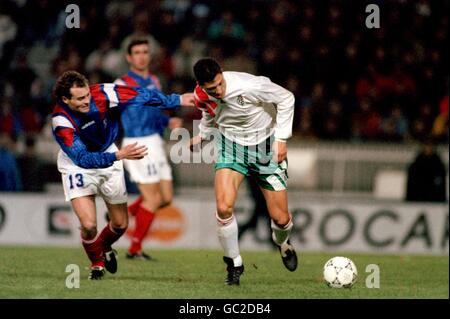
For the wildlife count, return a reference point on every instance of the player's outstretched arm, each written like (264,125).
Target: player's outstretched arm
(132,152)
(187,99)
(109,95)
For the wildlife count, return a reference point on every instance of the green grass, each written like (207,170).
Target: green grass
(37,272)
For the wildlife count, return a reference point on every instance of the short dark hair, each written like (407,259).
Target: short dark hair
(134,42)
(205,70)
(68,80)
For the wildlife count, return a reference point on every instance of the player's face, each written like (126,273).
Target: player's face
(216,87)
(79,101)
(140,57)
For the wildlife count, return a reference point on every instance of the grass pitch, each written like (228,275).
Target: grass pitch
(40,272)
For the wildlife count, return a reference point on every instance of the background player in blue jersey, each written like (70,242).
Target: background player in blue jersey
(145,126)
(85,124)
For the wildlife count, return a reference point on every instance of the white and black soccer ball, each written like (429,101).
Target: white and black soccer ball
(340,272)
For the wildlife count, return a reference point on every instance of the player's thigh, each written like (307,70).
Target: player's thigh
(226,185)
(277,205)
(79,182)
(76,181)
(84,208)
(112,184)
(118,214)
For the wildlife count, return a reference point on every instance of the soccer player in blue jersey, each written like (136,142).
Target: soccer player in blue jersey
(85,124)
(145,126)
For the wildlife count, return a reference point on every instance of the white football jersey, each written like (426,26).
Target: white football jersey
(252,109)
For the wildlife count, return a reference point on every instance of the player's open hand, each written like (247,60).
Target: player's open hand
(132,152)
(279,151)
(187,99)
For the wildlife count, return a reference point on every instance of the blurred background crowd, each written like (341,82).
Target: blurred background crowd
(351,83)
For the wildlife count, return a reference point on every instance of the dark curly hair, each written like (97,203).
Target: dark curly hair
(68,80)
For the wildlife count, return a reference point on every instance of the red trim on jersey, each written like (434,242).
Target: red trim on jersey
(125,93)
(59,109)
(203,102)
(100,98)
(129,80)
(66,134)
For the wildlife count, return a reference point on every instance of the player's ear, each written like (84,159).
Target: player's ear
(65,99)
(128,57)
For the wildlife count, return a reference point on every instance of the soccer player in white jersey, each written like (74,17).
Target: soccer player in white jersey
(254,119)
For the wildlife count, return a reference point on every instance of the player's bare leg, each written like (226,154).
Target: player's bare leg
(118,215)
(84,208)
(277,204)
(166,187)
(226,185)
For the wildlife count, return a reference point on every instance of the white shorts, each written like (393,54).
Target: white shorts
(108,183)
(152,168)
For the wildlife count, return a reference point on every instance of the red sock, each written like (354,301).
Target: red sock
(144,219)
(133,208)
(110,235)
(94,250)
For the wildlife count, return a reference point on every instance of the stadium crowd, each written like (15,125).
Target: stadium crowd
(351,83)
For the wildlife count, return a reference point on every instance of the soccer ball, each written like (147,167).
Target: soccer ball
(340,272)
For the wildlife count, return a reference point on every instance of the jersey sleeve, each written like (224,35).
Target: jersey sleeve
(267,91)
(119,81)
(70,142)
(110,95)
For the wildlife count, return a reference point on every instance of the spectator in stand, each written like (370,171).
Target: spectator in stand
(9,171)
(440,125)
(31,168)
(321,44)
(9,121)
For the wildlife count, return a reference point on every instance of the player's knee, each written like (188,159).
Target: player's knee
(89,231)
(282,220)
(166,202)
(123,224)
(154,201)
(224,210)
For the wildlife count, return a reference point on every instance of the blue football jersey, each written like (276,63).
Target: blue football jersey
(142,121)
(84,137)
